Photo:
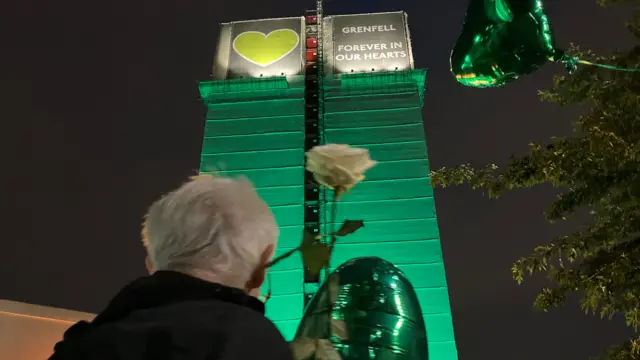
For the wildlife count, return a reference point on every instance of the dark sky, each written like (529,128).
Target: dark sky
(105,94)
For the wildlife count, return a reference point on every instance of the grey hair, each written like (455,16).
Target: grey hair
(211,225)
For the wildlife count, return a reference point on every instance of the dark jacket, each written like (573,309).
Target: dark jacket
(173,316)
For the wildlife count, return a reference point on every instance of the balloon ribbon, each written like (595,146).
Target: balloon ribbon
(604,66)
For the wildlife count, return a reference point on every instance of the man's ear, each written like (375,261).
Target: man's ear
(260,272)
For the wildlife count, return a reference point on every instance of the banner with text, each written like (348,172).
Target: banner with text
(260,48)
(367,42)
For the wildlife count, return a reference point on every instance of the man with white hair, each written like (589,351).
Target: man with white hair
(208,245)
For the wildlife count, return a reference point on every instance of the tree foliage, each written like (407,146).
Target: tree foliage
(597,167)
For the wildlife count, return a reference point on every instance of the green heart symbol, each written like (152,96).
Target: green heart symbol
(265,49)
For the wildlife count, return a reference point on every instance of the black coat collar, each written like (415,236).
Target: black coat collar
(163,288)
(169,287)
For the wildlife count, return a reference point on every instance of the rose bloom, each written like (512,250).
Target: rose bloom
(337,165)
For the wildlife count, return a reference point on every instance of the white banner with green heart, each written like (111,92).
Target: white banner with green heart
(265,49)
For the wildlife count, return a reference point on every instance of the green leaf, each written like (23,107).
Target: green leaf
(349,227)
(315,255)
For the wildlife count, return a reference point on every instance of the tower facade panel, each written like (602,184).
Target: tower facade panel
(255,128)
(382,112)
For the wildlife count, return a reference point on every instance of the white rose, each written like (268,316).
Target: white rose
(338,166)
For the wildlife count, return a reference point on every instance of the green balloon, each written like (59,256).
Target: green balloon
(367,309)
(502,40)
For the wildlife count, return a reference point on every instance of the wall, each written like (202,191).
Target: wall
(29,332)
(383,113)
(255,128)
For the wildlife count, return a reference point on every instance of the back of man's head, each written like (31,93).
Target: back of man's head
(212,227)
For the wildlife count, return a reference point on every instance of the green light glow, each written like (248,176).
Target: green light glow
(256,129)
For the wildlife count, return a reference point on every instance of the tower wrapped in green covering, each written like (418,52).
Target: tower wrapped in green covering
(342,79)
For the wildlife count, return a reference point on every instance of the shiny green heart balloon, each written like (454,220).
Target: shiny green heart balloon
(502,40)
(367,309)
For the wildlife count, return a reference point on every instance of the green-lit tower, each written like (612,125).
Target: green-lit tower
(282,86)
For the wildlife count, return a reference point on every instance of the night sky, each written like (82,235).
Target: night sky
(105,94)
